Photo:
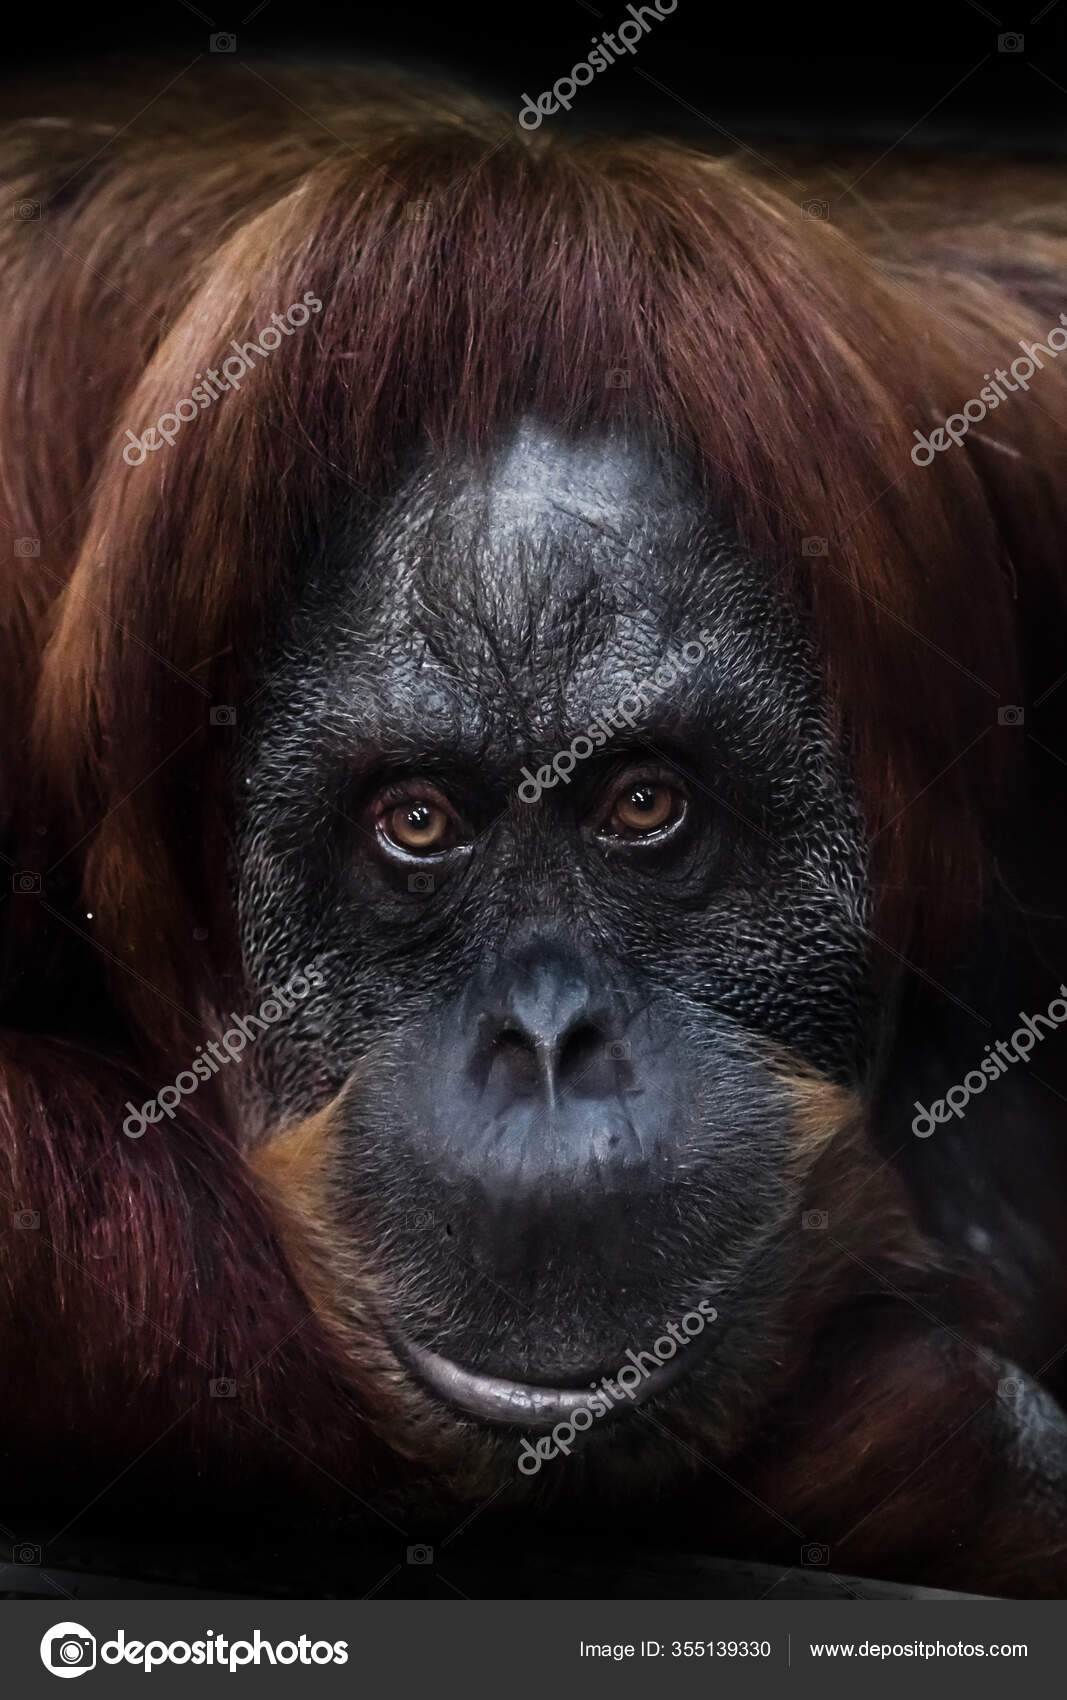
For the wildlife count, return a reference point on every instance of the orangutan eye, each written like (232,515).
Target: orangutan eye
(419,827)
(416,823)
(644,809)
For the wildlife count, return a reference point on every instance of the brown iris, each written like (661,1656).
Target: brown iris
(419,827)
(644,808)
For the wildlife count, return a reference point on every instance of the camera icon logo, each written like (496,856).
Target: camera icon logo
(618,378)
(814,546)
(815,1219)
(26,209)
(618,1050)
(815,209)
(815,1553)
(27,546)
(420,1555)
(1009,1389)
(223,42)
(1010,43)
(223,1387)
(419,211)
(26,883)
(1011,715)
(420,882)
(68,1650)
(26,1221)
(25,1552)
(224,715)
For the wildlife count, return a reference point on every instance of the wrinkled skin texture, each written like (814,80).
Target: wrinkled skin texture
(529,1224)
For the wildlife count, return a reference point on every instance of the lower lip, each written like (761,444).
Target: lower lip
(495,1399)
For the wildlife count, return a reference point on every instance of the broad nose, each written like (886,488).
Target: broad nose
(544,1096)
(550,1030)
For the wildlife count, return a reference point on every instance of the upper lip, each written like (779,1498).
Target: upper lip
(501,1399)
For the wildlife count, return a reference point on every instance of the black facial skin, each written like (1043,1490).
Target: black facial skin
(563,1129)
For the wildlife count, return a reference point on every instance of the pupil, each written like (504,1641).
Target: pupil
(419,818)
(643,799)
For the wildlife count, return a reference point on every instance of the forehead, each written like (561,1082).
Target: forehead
(566,547)
(509,598)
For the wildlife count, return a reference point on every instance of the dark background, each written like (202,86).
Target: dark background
(896,75)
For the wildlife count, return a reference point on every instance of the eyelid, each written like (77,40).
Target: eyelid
(401,791)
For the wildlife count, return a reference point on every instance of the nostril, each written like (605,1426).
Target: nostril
(516,1053)
(515,1048)
(511,1039)
(579,1049)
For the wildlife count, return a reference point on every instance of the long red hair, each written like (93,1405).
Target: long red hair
(469,271)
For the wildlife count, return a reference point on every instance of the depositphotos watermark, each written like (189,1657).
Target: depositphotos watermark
(597,734)
(614,1389)
(1008,1051)
(69,1649)
(233,369)
(957,425)
(606,49)
(282,1001)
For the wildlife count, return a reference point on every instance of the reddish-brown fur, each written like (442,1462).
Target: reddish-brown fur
(467,271)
